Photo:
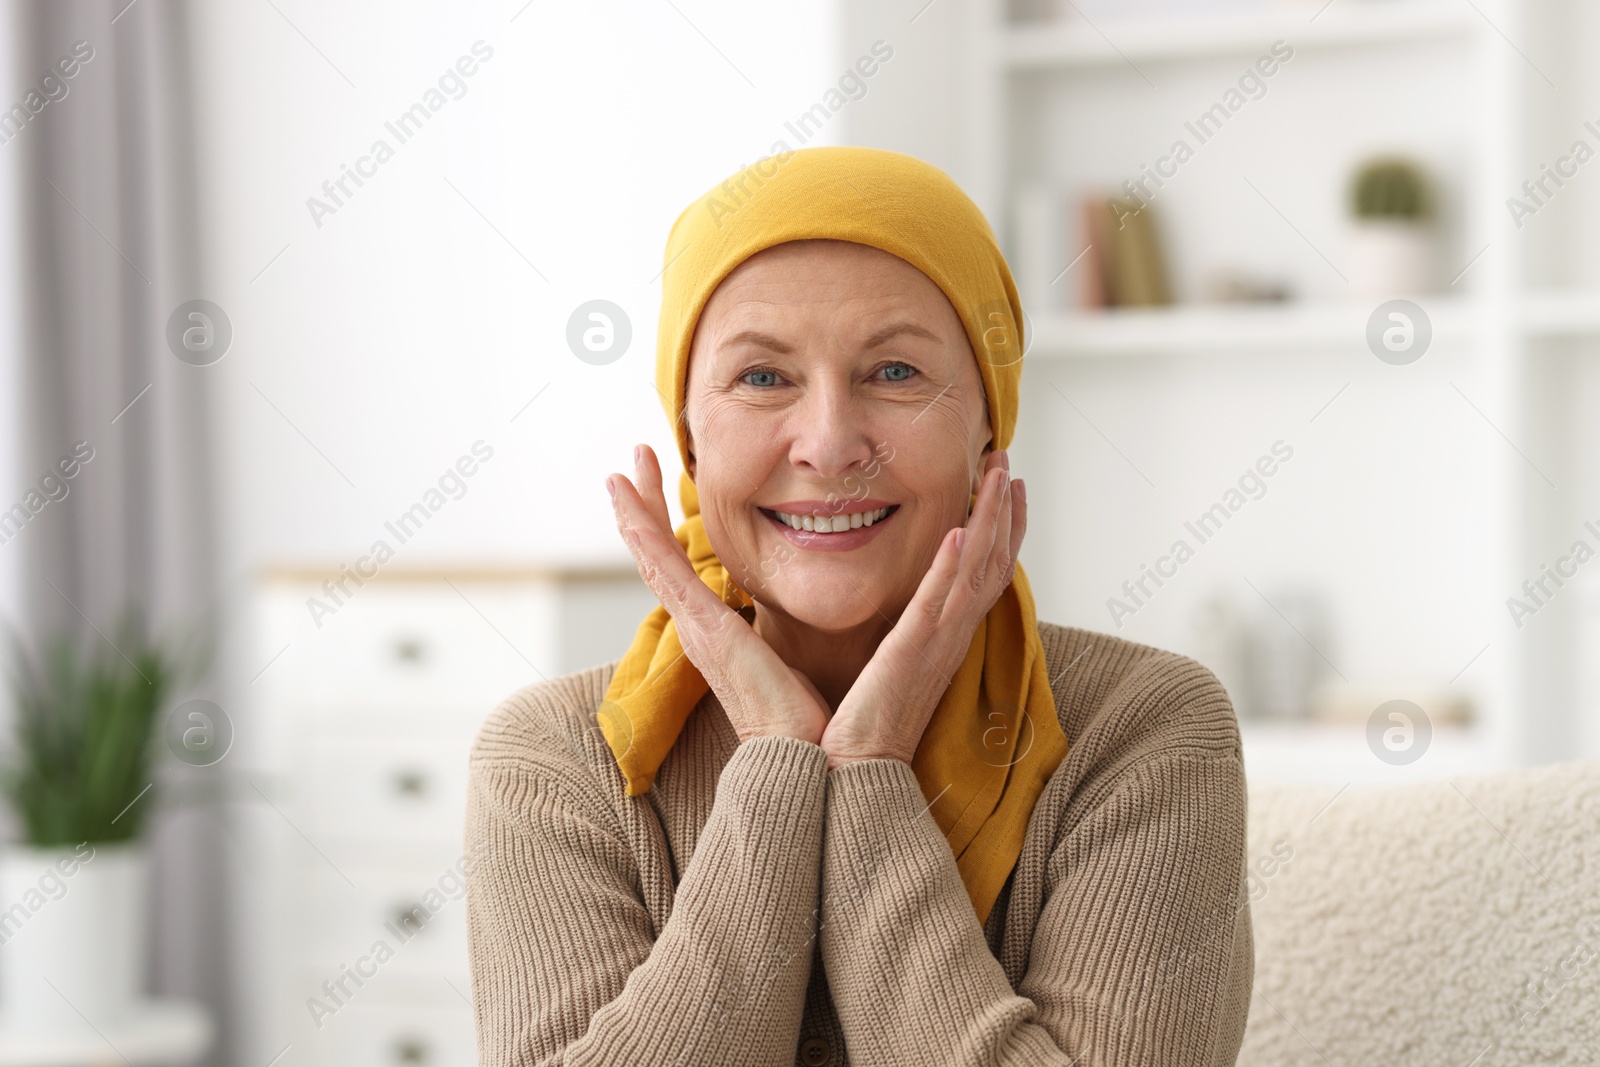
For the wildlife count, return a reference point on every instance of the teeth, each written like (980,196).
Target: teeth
(832,523)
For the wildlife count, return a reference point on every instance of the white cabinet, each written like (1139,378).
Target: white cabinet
(353,926)
(383,1035)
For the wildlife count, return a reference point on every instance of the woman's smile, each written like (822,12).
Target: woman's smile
(815,525)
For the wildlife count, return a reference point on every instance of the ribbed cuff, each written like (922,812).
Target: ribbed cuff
(878,827)
(765,773)
(888,785)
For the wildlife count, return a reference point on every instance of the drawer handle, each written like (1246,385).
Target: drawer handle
(411,1050)
(412,919)
(411,783)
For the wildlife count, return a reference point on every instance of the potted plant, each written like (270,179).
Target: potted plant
(1391,235)
(79,782)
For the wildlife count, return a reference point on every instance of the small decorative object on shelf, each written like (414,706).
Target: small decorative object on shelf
(1226,285)
(1269,655)
(1223,638)
(1391,234)
(1293,638)
(73,895)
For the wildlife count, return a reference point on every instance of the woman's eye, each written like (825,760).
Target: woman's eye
(764,377)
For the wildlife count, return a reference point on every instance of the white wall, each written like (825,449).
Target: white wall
(406,327)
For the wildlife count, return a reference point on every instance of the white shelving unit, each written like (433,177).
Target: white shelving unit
(1077,102)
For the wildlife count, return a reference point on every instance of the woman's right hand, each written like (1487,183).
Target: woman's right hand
(761,694)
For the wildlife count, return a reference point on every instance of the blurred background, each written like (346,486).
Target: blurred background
(326,322)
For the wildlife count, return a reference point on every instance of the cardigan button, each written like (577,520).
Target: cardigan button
(814,1052)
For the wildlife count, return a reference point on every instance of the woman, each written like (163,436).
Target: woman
(825,810)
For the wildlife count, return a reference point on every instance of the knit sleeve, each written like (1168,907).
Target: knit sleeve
(1142,953)
(566,965)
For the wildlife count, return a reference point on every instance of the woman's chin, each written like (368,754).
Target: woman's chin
(834,607)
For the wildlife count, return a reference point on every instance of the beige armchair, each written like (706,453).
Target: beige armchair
(1443,923)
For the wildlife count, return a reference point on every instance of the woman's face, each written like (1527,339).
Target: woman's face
(830,379)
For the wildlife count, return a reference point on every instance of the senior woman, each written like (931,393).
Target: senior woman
(845,800)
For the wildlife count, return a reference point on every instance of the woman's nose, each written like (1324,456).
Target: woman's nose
(831,434)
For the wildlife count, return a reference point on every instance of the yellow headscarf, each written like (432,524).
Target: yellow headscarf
(994,739)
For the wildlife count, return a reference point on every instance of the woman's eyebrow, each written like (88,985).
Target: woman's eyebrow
(894,329)
(756,337)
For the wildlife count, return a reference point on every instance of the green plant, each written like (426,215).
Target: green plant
(82,736)
(1390,188)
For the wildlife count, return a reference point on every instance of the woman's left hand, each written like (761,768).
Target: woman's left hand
(886,710)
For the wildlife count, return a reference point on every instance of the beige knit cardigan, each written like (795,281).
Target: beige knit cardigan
(754,908)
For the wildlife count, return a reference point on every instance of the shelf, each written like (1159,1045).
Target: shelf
(1561,313)
(1336,754)
(1201,328)
(1184,328)
(1116,41)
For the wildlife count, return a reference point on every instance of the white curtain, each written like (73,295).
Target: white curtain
(100,165)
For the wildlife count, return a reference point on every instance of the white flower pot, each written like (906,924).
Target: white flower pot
(1390,258)
(72,936)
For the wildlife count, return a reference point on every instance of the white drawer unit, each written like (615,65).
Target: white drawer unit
(396,1035)
(391,785)
(361,728)
(417,911)
(400,647)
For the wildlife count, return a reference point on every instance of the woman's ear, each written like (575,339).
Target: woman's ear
(983,458)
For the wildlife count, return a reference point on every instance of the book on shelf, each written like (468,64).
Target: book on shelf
(1125,264)
(1111,252)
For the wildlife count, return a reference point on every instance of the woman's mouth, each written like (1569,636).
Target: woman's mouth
(831,524)
(831,533)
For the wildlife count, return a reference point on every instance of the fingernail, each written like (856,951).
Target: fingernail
(1022,490)
(612,489)
(1005,458)
(961,536)
(638,455)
